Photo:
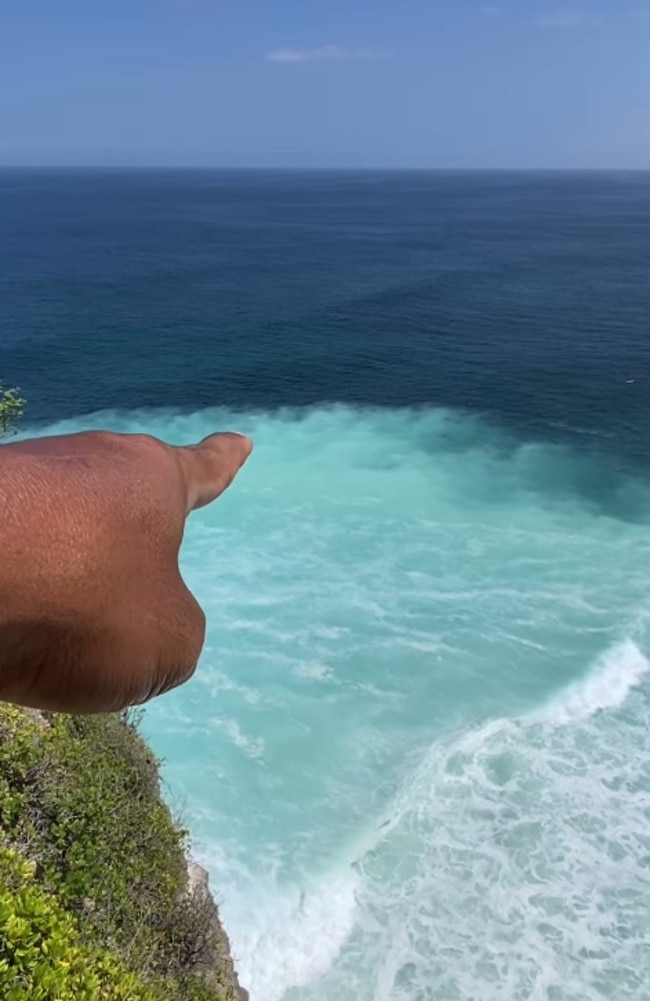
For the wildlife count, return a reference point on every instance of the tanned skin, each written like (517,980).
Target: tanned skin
(94,613)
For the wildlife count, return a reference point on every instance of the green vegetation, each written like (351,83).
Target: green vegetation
(11,408)
(42,956)
(95,903)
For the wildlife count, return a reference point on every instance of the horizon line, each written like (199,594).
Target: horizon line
(321,170)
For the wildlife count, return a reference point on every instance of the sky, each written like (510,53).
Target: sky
(325,83)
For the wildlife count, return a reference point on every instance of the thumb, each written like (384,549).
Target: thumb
(210,467)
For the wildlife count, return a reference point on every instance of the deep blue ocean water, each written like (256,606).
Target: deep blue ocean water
(416,755)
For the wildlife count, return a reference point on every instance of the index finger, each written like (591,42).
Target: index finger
(209,467)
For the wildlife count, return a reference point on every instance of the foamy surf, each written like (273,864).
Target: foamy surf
(515,866)
(616,673)
(506,865)
(286,938)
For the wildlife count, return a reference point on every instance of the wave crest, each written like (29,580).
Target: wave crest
(617,672)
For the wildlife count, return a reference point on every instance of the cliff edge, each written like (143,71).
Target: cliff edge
(97,899)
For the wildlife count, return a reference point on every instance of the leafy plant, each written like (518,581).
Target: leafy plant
(79,799)
(42,956)
(11,409)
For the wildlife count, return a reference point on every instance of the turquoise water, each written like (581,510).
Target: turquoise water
(415,758)
(416,754)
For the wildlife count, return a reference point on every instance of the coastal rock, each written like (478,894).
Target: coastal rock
(216,956)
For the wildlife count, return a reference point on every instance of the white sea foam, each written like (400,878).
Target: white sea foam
(251,746)
(313,672)
(508,867)
(515,863)
(616,673)
(286,937)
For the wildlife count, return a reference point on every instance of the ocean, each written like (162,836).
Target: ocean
(415,757)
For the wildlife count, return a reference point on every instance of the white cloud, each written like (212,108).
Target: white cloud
(327,53)
(562,17)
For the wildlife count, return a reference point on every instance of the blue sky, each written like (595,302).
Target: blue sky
(325,83)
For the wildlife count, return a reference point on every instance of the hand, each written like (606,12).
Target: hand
(94,614)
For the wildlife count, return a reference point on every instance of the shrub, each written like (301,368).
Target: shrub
(80,804)
(41,953)
(11,408)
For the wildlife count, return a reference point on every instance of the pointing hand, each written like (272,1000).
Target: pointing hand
(94,614)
